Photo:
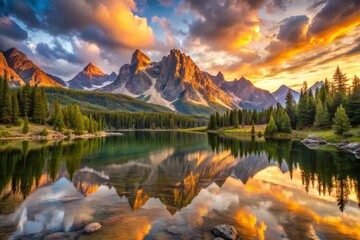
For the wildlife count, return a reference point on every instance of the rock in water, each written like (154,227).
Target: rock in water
(225,231)
(92,227)
(56,236)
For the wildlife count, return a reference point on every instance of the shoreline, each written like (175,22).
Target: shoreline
(57,136)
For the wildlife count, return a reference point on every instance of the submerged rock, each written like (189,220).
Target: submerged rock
(174,230)
(57,236)
(92,227)
(225,231)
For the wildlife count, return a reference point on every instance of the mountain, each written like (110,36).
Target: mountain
(280,94)
(244,93)
(175,82)
(90,78)
(28,71)
(15,79)
(99,101)
(316,85)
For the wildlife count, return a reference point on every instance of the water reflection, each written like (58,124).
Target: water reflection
(177,185)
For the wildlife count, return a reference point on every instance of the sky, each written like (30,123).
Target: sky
(270,42)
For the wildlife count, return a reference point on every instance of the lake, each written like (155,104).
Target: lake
(173,185)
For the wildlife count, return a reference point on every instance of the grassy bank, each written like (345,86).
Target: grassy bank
(328,134)
(36,131)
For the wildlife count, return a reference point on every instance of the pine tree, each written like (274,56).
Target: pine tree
(271,127)
(340,81)
(353,106)
(290,109)
(236,120)
(6,113)
(79,122)
(319,114)
(285,123)
(355,82)
(253,129)
(341,121)
(15,109)
(25,128)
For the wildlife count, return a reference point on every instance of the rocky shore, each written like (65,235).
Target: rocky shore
(313,141)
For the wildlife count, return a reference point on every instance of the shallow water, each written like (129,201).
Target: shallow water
(166,185)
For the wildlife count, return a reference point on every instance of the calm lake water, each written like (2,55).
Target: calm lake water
(166,185)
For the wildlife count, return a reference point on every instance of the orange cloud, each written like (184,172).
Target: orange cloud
(118,20)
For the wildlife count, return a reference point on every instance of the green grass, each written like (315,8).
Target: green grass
(328,135)
(5,134)
(198,129)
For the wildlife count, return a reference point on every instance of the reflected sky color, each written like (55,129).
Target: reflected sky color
(180,192)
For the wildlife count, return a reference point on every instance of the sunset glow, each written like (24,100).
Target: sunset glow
(269,42)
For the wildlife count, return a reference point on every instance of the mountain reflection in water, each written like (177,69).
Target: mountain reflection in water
(166,185)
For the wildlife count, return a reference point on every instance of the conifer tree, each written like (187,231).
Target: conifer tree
(25,128)
(290,108)
(318,122)
(355,82)
(253,129)
(6,111)
(341,121)
(353,106)
(15,108)
(271,127)
(340,81)
(79,122)
(236,120)
(285,123)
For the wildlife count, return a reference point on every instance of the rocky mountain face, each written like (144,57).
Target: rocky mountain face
(244,93)
(90,78)
(15,79)
(28,71)
(281,92)
(175,82)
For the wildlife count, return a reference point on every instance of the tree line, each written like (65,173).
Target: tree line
(30,104)
(335,104)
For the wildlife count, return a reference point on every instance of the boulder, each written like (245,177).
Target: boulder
(92,227)
(225,231)
(309,141)
(313,137)
(218,238)
(352,147)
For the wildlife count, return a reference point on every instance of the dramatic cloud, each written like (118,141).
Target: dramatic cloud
(335,16)
(57,52)
(227,25)
(9,29)
(294,29)
(114,20)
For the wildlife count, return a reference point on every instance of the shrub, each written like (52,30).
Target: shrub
(348,134)
(44,132)
(259,134)
(67,133)
(5,134)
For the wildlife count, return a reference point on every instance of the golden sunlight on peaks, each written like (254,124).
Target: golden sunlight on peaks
(123,26)
(249,225)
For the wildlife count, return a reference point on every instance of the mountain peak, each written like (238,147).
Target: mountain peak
(14,52)
(139,61)
(91,69)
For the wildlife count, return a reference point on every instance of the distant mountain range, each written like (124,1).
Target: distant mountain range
(91,78)
(280,93)
(175,82)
